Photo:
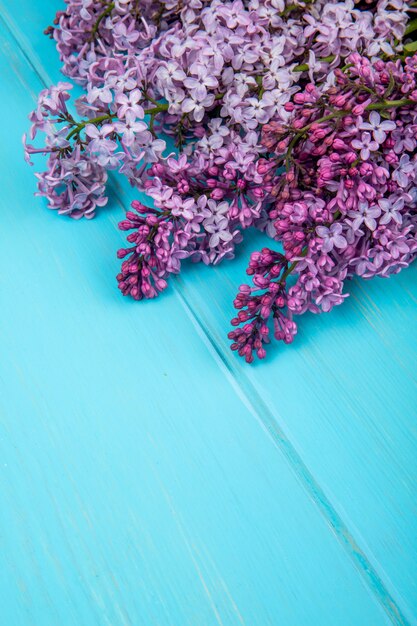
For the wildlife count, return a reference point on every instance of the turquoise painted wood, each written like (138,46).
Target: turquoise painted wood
(147,476)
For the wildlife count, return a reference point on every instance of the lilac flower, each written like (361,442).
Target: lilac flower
(365,214)
(102,94)
(256,112)
(378,128)
(128,104)
(200,83)
(197,105)
(217,225)
(73,186)
(155,253)
(98,135)
(147,148)
(405,139)
(125,36)
(129,128)
(56,138)
(391,210)
(331,237)
(405,171)
(53,99)
(366,145)
(182,208)
(328,300)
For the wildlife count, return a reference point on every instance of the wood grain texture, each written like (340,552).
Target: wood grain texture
(148,476)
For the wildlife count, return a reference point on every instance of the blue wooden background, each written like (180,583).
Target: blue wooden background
(147,476)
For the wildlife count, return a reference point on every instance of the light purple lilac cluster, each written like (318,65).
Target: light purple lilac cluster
(325,91)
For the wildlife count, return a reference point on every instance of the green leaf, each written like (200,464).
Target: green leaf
(412,26)
(411,47)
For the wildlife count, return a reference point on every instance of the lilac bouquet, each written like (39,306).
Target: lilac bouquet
(297,118)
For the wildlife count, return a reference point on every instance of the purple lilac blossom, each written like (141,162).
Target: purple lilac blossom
(242,88)
(340,210)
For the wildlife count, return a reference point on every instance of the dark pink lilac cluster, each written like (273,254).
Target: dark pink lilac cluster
(346,203)
(297,118)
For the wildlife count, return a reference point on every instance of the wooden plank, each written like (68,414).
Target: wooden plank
(137,486)
(343,397)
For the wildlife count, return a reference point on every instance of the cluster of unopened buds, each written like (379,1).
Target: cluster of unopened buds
(296,118)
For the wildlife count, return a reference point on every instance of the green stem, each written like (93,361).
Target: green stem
(95,120)
(361,87)
(259,80)
(290,268)
(158,109)
(110,116)
(293,265)
(304,67)
(391,86)
(152,100)
(389,104)
(101,17)
(288,9)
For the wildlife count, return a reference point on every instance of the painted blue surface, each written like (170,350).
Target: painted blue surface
(149,477)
